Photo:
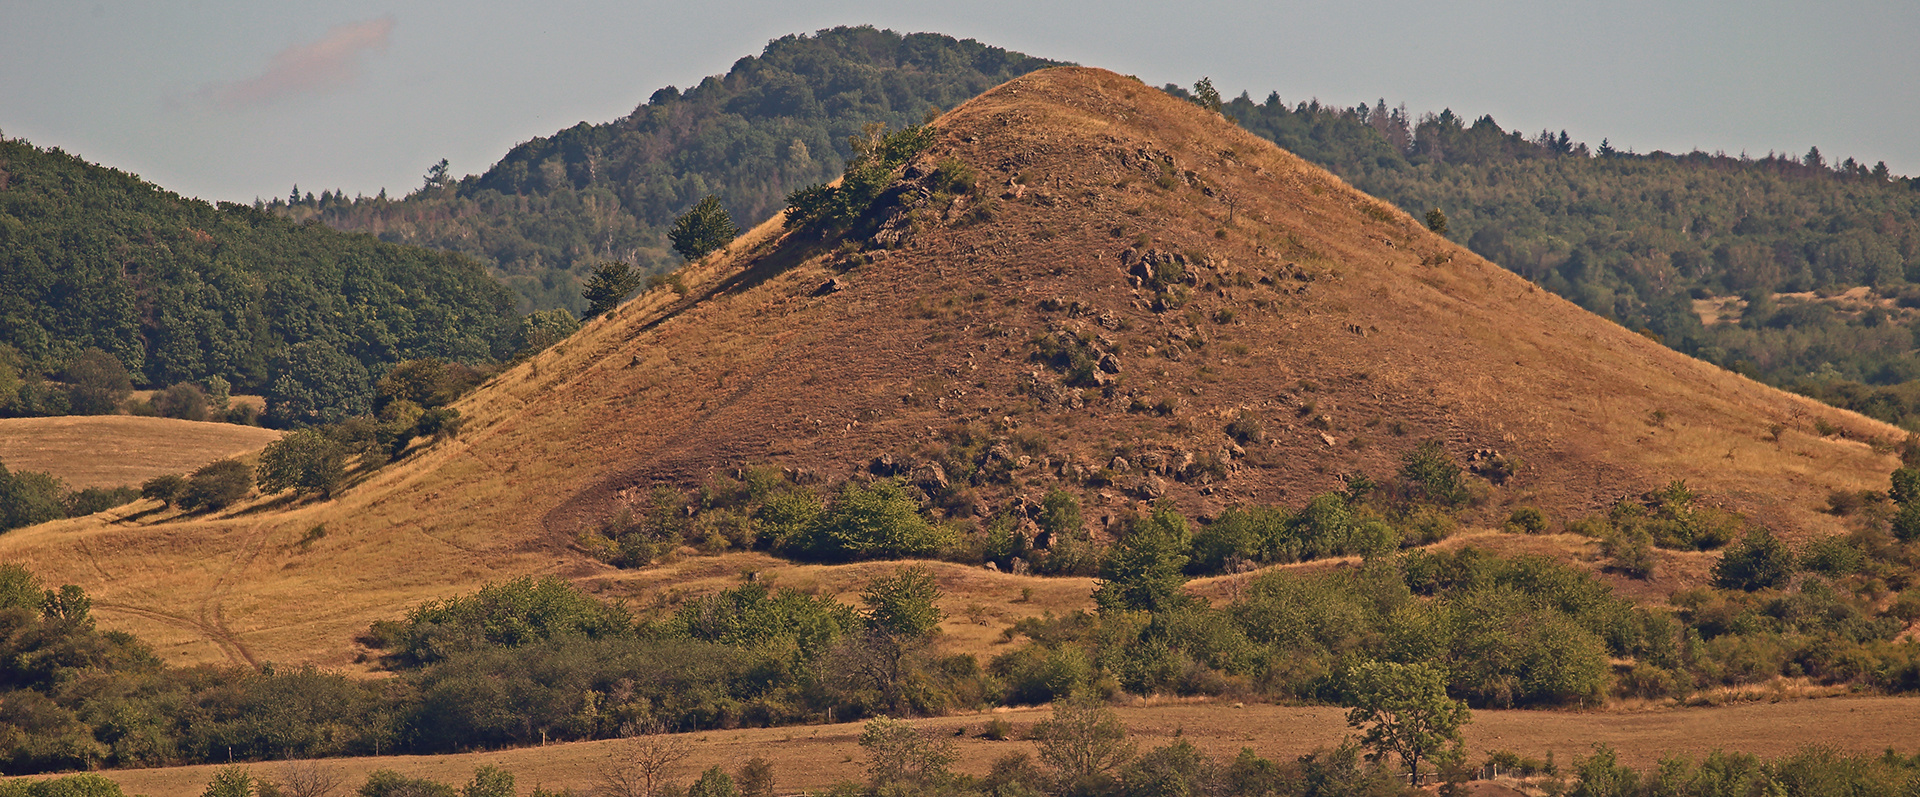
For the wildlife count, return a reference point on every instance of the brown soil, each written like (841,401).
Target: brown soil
(1341,325)
(117,450)
(812,757)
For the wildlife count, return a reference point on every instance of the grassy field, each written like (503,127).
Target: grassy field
(811,757)
(115,450)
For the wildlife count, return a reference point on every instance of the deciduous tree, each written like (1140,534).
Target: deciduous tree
(1404,711)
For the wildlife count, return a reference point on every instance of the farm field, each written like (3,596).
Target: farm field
(811,757)
(114,450)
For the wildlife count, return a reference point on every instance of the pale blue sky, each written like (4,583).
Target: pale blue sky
(225,99)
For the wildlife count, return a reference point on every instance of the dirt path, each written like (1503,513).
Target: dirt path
(811,757)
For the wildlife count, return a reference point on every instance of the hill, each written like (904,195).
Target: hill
(556,205)
(1641,238)
(182,291)
(1131,299)
(117,450)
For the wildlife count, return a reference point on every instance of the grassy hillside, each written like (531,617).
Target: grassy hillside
(1341,327)
(182,291)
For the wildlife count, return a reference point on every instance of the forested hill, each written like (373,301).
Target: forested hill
(179,290)
(554,206)
(1744,262)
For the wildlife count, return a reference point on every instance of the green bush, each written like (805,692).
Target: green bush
(873,521)
(1430,475)
(165,488)
(28,498)
(185,401)
(512,614)
(81,503)
(305,460)
(1758,561)
(1526,520)
(217,485)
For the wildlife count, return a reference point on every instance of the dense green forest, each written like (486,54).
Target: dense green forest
(180,291)
(1740,261)
(554,206)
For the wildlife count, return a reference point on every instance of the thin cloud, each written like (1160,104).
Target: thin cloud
(329,64)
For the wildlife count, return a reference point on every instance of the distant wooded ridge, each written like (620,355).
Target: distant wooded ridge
(177,290)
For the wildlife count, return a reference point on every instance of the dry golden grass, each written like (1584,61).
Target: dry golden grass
(115,450)
(811,757)
(1399,336)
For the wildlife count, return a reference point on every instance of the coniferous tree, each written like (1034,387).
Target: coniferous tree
(610,285)
(703,229)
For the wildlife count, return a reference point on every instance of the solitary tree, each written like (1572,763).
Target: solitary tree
(610,284)
(306,461)
(1437,221)
(217,485)
(1206,96)
(900,754)
(703,229)
(1405,712)
(1143,572)
(1083,740)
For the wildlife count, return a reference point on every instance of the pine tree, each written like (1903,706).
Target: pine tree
(703,229)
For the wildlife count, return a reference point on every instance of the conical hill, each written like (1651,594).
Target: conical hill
(1136,300)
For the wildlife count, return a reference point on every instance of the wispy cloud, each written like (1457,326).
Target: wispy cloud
(329,64)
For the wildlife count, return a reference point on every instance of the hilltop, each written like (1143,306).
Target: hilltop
(1135,300)
(554,206)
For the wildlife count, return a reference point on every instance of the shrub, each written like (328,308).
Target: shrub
(1629,551)
(1906,522)
(1758,561)
(165,488)
(305,461)
(1835,555)
(388,783)
(1430,475)
(1526,520)
(185,401)
(954,177)
(514,614)
(81,503)
(870,522)
(1142,572)
(29,497)
(217,485)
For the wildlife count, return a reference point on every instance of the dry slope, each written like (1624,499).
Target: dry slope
(1216,276)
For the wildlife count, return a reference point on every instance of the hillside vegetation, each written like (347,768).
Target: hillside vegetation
(180,291)
(554,206)
(1080,286)
(1769,243)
